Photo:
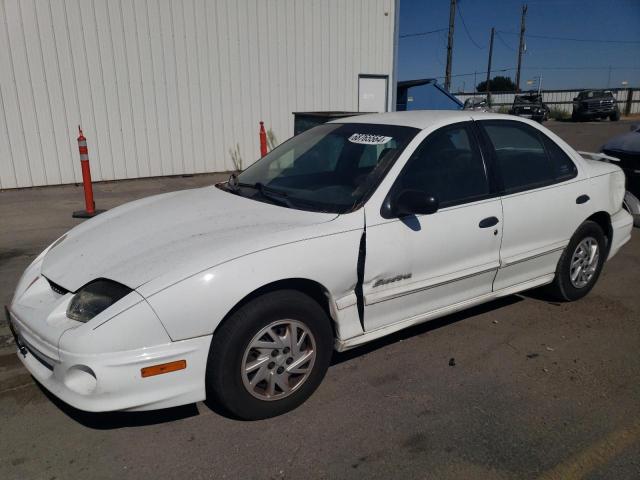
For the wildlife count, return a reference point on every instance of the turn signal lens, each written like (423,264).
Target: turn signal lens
(163,368)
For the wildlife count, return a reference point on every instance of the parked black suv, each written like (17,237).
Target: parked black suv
(595,104)
(530,106)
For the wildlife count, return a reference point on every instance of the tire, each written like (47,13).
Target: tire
(615,116)
(563,288)
(231,351)
(575,117)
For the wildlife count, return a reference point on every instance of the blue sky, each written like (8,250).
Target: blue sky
(563,64)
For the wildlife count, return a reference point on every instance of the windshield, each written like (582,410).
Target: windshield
(329,168)
(527,99)
(595,94)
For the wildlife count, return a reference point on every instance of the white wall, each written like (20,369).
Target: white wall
(166,87)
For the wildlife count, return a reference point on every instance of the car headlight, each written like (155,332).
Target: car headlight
(94,298)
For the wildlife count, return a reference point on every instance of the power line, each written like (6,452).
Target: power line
(421,34)
(464,24)
(570,39)
(503,42)
(583,68)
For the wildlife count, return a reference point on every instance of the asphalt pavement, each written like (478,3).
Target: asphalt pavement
(517,388)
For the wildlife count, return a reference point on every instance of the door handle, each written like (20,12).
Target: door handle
(582,199)
(488,222)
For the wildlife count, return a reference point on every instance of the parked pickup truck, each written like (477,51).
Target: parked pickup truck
(530,105)
(592,104)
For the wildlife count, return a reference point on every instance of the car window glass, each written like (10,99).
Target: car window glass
(331,167)
(320,157)
(447,165)
(520,155)
(372,154)
(564,168)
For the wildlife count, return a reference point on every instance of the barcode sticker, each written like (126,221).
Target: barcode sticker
(369,139)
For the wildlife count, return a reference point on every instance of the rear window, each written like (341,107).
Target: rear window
(526,158)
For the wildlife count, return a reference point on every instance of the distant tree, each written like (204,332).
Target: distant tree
(497,84)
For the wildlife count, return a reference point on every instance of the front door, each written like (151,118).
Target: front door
(420,264)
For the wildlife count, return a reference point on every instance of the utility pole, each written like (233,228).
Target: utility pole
(540,84)
(452,18)
(521,48)
(489,67)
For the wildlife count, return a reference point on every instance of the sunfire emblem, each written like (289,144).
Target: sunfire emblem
(397,278)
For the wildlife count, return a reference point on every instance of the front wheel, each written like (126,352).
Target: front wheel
(581,263)
(270,355)
(615,116)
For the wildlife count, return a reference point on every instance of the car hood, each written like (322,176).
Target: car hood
(173,235)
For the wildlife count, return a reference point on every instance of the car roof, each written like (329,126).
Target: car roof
(425,118)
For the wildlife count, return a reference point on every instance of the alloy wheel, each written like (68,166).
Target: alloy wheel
(278,360)
(584,262)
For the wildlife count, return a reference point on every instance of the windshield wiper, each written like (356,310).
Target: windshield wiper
(276,196)
(273,195)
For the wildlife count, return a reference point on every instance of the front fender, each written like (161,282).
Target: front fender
(195,306)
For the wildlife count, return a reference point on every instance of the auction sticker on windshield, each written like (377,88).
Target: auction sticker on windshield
(369,139)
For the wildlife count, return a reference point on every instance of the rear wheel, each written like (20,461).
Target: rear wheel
(581,263)
(270,355)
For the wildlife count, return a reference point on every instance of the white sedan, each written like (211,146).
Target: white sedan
(343,234)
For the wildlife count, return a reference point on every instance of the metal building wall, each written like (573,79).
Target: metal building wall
(165,87)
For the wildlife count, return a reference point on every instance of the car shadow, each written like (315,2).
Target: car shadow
(541,294)
(117,420)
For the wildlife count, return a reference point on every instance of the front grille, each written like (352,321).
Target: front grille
(57,288)
(595,107)
(40,359)
(43,359)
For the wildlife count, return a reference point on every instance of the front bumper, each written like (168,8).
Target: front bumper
(595,113)
(113,381)
(531,115)
(622,225)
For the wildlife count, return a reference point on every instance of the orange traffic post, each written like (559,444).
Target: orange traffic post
(90,205)
(263,140)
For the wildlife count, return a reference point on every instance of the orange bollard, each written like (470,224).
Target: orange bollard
(263,140)
(90,205)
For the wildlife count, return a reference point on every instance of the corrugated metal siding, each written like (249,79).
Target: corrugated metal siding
(166,87)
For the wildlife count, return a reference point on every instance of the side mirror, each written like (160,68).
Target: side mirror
(412,202)
(575,99)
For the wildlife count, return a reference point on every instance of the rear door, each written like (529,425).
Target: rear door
(543,199)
